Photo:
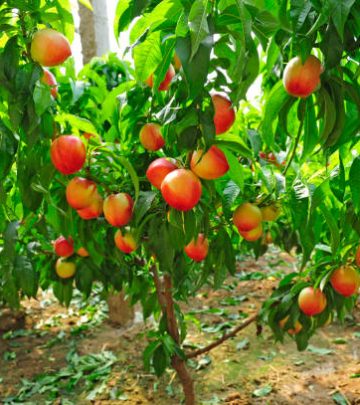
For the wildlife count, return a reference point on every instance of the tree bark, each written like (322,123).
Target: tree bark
(87,33)
(165,297)
(120,311)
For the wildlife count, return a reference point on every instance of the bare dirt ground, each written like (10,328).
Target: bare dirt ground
(75,356)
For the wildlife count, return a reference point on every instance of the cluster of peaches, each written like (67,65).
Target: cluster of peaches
(248,219)
(180,187)
(312,301)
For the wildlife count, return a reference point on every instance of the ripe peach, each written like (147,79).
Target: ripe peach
(80,192)
(151,138)
(224,115)
(311,301)
(68,154)
(64,247)
(247,216)
(345,280)
(158,169)
(300,80)
(118,209)
(126,243)
(209,165)
(181,189)
(165,84)
(270,213)
(357,257)
(82,252)
(197,249)
(49,79)
(292,331)
(252,235)
(92,211)
(65,269)
(50,47)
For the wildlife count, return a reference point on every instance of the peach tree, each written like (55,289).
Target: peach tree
(154,176)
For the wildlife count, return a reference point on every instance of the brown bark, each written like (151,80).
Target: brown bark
(120,310)
(165,297)
(178,363)
(87,33)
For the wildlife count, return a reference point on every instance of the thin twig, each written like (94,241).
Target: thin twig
(223,338)
(291,157)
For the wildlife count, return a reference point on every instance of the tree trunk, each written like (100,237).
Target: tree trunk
(87,33)
(165,297)
(94,30)
(11,319)
(120,311)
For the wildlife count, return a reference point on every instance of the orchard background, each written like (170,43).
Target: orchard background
(155,175)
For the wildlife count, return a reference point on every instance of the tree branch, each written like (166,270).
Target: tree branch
(159,288)
(223,338)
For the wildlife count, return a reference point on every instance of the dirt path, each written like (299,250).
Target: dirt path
(76,357)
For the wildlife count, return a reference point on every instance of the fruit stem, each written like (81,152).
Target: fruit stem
(292,153)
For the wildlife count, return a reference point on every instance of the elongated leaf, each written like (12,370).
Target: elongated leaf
(329,115)
(310,128)
(275,101)
(236,171)
(147,56)
(123,16)
(354,182)
(196,70)
(79,123)
(236,144)
(8,148)
(132,172)
(198,24)
(334,230)
(340,13)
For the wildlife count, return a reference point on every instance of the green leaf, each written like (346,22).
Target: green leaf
(143,204)
(123,16)
(82,124)
(147,56)
(310,128)
(42,98)
(132,172)
(354,182)
(340,13)
(275,101)
(8,148)
(319,350)
(263,391)
(160,360)
(243,344)
(234,143)
(199,28)
(196,69)
(332,224)
(340,399)
(25,276)
(329,114)
(236,171)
